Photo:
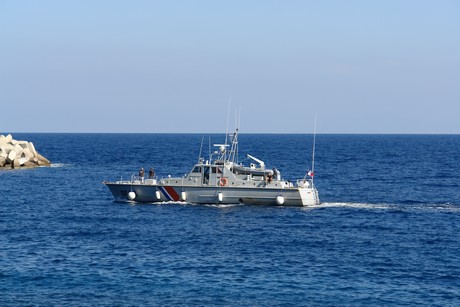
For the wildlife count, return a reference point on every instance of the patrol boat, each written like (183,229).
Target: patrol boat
(221,180)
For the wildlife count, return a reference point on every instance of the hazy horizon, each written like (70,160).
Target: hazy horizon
(223,133)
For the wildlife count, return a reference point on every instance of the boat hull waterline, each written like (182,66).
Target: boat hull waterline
(160,193)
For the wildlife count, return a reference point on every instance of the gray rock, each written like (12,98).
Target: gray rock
(11,157)
(15,163)
(43,160)
(8,138)
(31,147)
(17,154)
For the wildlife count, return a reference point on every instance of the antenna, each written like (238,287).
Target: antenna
(209,140)
(228,119)
(239,117)
(239,123)
(313,153)
(311,173)
(236,119)
(201,148)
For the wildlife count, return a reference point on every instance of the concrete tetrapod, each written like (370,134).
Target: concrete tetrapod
(19,154)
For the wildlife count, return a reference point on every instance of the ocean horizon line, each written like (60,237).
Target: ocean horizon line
(220,133)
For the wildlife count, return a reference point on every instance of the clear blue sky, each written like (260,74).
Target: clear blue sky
(388,66)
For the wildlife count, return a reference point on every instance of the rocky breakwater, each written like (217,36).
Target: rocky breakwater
(18,154)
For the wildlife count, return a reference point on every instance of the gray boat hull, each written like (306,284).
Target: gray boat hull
(154,193)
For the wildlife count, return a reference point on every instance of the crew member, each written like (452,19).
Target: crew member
(141,174)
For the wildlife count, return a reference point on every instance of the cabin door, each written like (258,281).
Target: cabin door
(206,171)
(216,174)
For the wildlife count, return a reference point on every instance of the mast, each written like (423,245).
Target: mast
(209,144)
(201,148)
(228,119)
(313,153)
(237,130)
(311,172)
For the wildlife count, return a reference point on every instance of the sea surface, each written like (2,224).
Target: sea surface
(387,231)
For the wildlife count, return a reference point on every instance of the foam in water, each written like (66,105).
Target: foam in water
(59,165)
(224,205)
(354,205)
(377,206)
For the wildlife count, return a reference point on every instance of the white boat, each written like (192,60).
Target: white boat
(221,180)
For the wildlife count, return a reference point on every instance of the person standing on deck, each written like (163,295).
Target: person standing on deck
(141,174)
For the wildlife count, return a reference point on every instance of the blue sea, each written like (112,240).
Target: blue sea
(387,231)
